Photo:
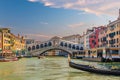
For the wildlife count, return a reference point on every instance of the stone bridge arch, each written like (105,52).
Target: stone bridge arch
(42,51)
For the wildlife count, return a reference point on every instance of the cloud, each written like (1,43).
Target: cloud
(97,7)
(33,0)
(76,25)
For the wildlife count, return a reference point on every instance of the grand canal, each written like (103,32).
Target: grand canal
(50,68)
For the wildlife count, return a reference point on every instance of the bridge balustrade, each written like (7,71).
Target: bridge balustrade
(50,45)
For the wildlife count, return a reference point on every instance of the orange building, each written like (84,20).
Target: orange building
(113,33)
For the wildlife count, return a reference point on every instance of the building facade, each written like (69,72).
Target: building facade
(5,40)
(87,38)
(82,39)
(113,33)
(0,42)
(17,44)
(102,37)
(10,43)
(94,37)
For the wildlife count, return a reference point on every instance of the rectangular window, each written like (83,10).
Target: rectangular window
(114,41)
(101,39)
(106,42)
(107,35)
(117,32)
(117,40)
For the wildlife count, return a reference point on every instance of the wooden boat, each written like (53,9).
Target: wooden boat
(91,69)
(8,59)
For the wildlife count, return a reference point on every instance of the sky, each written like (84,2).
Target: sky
(43,19)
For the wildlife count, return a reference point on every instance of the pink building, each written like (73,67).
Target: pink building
(94,37)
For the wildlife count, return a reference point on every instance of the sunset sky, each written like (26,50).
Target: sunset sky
(43,19)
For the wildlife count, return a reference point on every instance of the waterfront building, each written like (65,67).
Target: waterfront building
(94,37)
(17,44)
(87,38)
(5,39)
(113,37)
(102,37)
(0,42)
(10,43)
(113,33)
(108,40)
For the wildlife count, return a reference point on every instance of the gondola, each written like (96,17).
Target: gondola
(91,69)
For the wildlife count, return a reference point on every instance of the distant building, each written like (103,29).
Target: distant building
(29,41)
(72,38)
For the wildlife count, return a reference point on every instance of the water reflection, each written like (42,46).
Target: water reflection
(51,68)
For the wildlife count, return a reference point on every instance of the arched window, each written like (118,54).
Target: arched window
(69,45)
(29,48)
(49,44)
(45,44)
(73,47)
(81,48)
(33,47)
(65,45)
(61,44)
(41,45)
(77,47)
(37,46)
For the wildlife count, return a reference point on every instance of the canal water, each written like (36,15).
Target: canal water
(50,68)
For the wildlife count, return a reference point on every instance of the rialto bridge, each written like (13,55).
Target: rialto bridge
(55,43)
